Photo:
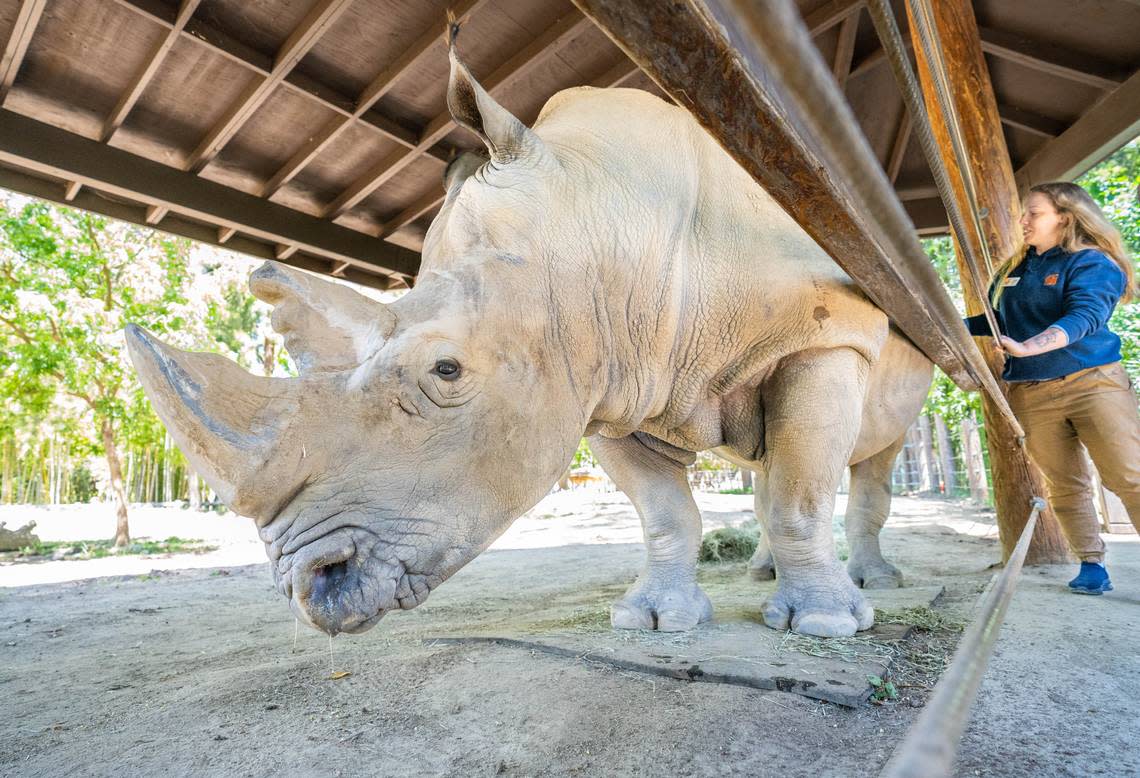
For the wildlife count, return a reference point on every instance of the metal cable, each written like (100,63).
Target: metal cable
(778,39)
(931,743)
(891,40)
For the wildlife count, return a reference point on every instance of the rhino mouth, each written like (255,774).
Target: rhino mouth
(339,583)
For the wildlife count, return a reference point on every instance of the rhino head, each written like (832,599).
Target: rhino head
(417,430)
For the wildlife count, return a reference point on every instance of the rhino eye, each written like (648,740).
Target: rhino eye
(447,369)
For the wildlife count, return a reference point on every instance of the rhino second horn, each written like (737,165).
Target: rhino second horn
(327,326)
(226,421)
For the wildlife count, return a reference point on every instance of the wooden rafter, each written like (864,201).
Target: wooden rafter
(616,76)
(845,49)
(49,151)
(71,190)
(1053,60)
(830,14)
(298,44)
(533,53)
(369,96)
(203,34)
(1030,122)
(17,44)
(153,62)
(898,148)
(1102,129)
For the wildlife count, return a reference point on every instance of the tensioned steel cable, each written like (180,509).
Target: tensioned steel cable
(777,40)
(931,743)
(891,39)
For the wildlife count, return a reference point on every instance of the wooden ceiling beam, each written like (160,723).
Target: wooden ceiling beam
(899,146)
(322,16)
(71,190)
(616,76)
(830,14)
(153,62)
(531,55)
(431,39)
(1030,122)
(27,18)
(1050,59)
(845,49)
(46,150)
(221,43)
(414,211)
(1101,130)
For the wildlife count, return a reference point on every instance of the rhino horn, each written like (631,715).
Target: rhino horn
(326,326)
(228,422)
(506,138)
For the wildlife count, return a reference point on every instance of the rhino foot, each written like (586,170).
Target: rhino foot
(835,609)
(666,607)
(874,573)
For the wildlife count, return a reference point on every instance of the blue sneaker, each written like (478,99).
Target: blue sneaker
(1093,579)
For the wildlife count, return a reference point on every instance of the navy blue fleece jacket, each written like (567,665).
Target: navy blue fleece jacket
(1075,292)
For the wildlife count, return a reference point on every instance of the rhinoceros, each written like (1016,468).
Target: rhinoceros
(609,272)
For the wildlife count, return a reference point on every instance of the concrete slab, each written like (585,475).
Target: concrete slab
(735,648)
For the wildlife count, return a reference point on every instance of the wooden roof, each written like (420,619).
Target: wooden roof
(315,131)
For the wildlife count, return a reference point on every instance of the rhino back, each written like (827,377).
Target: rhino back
(749,285)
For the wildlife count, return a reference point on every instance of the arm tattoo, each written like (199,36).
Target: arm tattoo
(1049,340)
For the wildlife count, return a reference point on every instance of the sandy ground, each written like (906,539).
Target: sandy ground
(190,669)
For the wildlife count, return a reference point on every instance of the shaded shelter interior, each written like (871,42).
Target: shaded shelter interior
(320,131)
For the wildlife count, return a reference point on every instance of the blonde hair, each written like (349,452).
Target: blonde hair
(1085,227)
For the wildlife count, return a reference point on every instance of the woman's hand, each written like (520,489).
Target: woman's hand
(1014,348)
(1050,340)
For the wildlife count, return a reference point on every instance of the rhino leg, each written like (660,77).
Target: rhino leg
(813,407)
(867,509)
(762,567)
(665,596)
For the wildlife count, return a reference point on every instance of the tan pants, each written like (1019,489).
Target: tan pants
(1097,408)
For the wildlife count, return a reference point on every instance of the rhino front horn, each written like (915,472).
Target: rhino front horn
(228,422)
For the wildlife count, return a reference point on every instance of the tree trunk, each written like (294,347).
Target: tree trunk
(122,530)
(746,478)
(195,490)
(269,356)
(6,475)
(1016,479)
(926,456)
(946,456)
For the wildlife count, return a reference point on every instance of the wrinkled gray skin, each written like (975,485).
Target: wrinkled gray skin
(613,273)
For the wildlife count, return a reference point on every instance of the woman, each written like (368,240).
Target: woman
(1067,386)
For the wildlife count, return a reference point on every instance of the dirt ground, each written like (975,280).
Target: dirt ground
(192,671)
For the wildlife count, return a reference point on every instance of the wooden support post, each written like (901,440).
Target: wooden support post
(1015,478)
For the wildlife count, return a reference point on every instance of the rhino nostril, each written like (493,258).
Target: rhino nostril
(327,580)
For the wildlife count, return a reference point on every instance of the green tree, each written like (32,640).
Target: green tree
(69,281)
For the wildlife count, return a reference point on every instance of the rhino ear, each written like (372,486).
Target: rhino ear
(460,169)
(506,138)
(229,423)
(326,326)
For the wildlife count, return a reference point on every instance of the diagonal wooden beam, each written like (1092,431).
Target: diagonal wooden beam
(1037,124)
(383,83)
(532,54)
(845,49)
(898,148)
(830,14)
(71,190)
(49,151)
(17,44)
(706,54)
(303,38)
(1101,130)
(1053,60)
(150,67)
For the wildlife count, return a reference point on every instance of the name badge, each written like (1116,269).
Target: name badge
(1011,281)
